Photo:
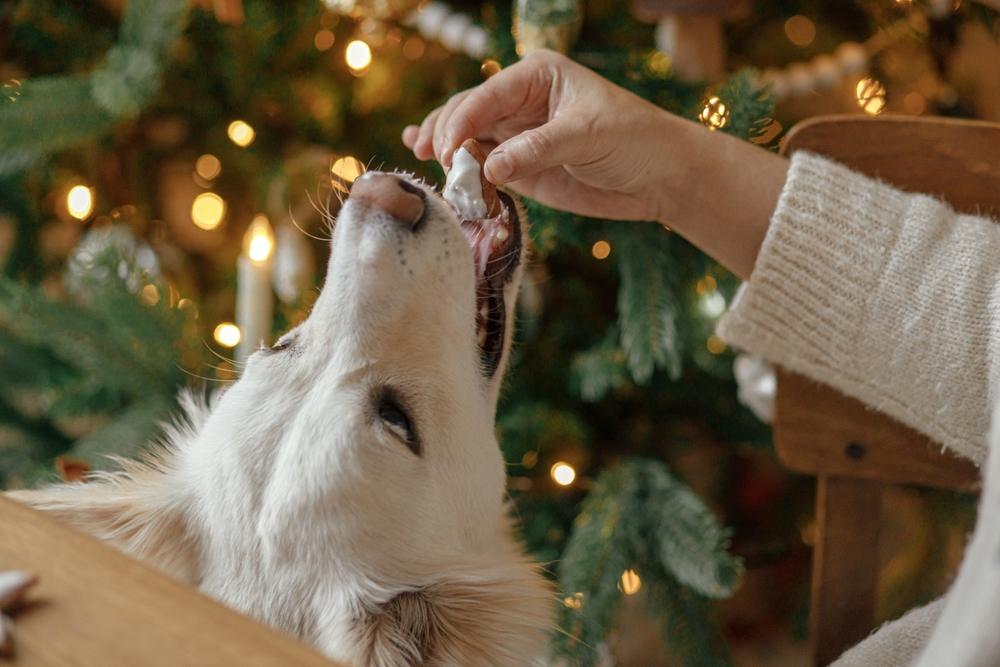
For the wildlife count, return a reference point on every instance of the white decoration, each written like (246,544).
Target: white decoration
(823,72)
(294,264)
(464,189)
(254,298)
(431,18)
(457,32)
(756,385)
(453,31)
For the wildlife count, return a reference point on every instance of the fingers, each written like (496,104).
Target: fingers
(423,145)
(523,91)
(562,141)
(410,134)
(440,150)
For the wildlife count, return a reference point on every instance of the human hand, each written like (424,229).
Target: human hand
(563,136)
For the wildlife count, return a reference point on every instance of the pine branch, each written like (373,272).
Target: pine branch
(639,517)
(648,303)
(750,107)
(601,369)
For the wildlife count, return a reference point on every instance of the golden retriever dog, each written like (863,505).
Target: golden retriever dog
(348,489)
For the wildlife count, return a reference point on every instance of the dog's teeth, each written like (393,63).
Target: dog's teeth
(482,337)
(500,236)
(484,311)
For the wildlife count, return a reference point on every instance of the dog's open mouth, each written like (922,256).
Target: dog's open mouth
(496,250)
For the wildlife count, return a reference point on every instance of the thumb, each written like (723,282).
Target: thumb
(555,143)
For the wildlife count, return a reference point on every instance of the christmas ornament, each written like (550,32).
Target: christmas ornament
(756,385)
(546,24)
(871,96)
(457,32)
(690,33)
(294,264)
(715,115)
(13,584)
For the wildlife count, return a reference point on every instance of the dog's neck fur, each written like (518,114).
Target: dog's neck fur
(290,500)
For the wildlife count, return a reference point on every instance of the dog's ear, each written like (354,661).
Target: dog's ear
(136,511)
(495,613)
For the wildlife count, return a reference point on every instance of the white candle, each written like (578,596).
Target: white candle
(254,298)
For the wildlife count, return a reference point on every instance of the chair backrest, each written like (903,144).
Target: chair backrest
(818,430)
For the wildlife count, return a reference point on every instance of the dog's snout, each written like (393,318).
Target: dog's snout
(401,200)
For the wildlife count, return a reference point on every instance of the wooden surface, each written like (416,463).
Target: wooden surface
(819,430)
(845,565)
(94,607)
(956,159)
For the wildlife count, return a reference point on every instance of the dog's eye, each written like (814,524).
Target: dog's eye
(283,344)
(397,421)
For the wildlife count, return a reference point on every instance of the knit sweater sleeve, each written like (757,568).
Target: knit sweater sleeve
(890,297)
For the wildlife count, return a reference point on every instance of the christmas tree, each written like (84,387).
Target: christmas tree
(148,148)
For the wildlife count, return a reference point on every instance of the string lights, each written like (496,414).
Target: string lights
(630,583)
(80,201)
(208,166)
(358,56)
(208,210)
(563,473)
(227,334)
(601,250)
(241,133)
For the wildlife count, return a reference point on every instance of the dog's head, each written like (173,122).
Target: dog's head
(352,472)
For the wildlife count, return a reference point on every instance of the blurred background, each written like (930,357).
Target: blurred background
(168,173)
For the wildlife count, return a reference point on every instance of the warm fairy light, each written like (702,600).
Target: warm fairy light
(347,169)
(563,473)
(630,582)
(413,48)
(208,166)
(259,240)
(208,210)
(574,601)
(489,68)
(871,96)
(715,115)
(601,250)
(227,334)
(241,133)
(712,303)
(715,345)
(800,30)
(358,56)
(324,40)
(80,202)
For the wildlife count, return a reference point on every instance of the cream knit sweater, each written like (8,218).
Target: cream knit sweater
(894,299)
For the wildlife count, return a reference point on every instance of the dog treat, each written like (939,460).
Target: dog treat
(467,190)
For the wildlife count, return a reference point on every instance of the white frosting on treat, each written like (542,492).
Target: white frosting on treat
(463,189)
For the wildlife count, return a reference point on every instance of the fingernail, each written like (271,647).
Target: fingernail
(500,167)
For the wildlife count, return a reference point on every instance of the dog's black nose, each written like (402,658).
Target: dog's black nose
(400,199)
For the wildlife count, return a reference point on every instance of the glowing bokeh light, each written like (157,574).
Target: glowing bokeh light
(358,55)
(630,582)
(563,473)
(259,240)
(601,250)
(347,169)
(80,202)
(208,210)
(208,166)
(241,133)
(227,334)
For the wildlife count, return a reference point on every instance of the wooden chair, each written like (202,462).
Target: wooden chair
(94,606)
(851,449)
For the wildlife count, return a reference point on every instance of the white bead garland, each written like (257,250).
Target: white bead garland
(457,32)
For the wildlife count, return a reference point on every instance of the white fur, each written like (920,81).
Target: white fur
(291,501)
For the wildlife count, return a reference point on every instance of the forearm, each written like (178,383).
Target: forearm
(890,297)
(719,192)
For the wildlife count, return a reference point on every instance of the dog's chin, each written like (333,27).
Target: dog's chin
(496,250)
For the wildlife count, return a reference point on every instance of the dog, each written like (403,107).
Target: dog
(348,488)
